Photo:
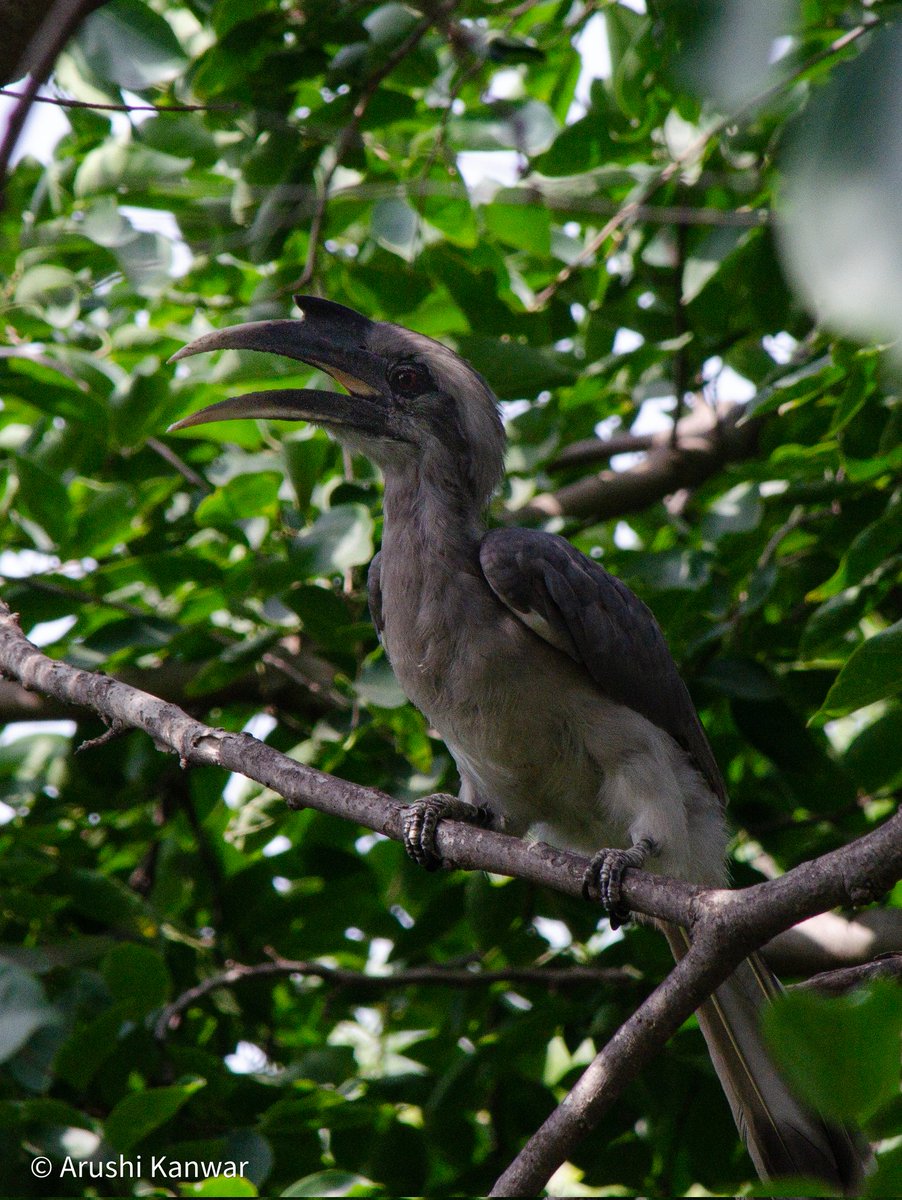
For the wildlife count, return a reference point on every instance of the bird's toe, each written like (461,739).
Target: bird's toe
(421,820)
(604,875)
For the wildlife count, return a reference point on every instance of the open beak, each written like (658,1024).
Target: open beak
(328,336)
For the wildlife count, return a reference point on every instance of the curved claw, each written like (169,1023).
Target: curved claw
(604,874)
(420,823)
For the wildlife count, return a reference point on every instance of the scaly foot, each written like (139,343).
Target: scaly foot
(604,873)
(421,820)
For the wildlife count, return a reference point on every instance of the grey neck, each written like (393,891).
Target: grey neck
(431,518)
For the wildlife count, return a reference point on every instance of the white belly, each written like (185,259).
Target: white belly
(544,748)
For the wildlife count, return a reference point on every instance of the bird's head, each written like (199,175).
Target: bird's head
(412,404)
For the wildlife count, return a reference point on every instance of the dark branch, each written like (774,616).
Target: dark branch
(725,928)
(837,983)
(65,102)
(549,978)
(60,22)
(704,445)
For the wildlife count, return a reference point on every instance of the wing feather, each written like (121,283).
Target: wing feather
(589,614)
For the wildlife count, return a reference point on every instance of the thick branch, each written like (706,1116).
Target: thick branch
(855,875)
(726,928)
(302,786)
(703,447)
(595,449)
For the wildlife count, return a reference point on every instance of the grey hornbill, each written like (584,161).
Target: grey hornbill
(550,682)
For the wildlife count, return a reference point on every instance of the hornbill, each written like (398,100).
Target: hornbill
(548,679)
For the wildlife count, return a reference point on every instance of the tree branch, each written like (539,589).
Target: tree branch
(724,926)
(837,983)
(705,443)
(66,102)
(58,25)
(349,132)
(440,975)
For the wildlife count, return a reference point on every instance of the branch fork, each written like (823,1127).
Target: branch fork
(724,926)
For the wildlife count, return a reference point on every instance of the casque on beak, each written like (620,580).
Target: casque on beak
(328,336)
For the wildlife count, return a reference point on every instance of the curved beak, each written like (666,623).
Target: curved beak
(328,336)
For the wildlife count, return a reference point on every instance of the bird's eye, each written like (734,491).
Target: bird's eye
(410,379)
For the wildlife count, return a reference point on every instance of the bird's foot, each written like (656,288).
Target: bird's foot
(601,882)
(420,822)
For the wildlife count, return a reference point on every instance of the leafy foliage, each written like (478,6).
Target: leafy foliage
(224,567)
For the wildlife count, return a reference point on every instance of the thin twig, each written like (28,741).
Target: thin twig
(628,214)
(115,730)
(680,330)
(65,102)
(169,455)
(551,978)
(349,133)
(846,979)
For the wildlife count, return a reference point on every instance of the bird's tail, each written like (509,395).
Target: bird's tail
(784,1137)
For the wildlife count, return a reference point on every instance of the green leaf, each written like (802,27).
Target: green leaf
(873,672)
(395,226)
(138,975)
(229,13)
(525,125)
(43,498)
(389,24)
(514,369)
(52,291)
(126,166)
(526,227)
(797,387)
(91,1044)
(140,1113)
(867,553)
(707,259)
(24,1009)
(220,1185)
(241,498)
(130,633)
(232,663)
(129,44)
(338,540)
(874,758)
(378,686)
(841,1053)
(332,1183)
